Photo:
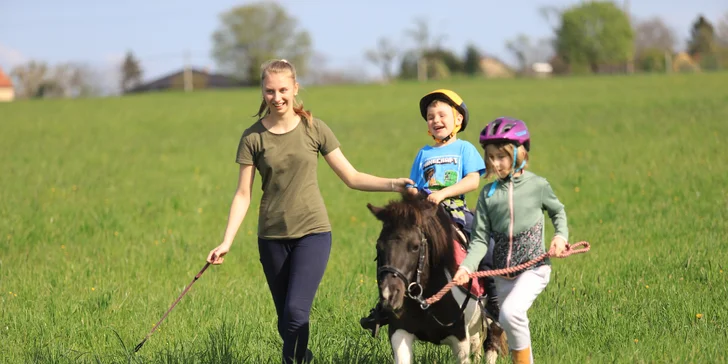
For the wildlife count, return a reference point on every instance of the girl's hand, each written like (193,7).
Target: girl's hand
(461,277)
(558,245)
(216,255)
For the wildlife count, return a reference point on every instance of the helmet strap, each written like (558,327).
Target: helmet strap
(515,157)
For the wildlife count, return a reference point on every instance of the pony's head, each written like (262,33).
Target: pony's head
(416,237)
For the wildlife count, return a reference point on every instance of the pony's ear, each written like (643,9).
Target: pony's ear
(430,209)
(375,210)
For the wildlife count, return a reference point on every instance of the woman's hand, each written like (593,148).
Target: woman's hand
(216,255)
(400,184)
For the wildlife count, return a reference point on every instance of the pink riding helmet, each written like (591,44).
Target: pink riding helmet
(506,129)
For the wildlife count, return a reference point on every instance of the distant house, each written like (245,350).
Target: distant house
(199,79)
(494,68)
(542,69)
(682,62)
(7,91)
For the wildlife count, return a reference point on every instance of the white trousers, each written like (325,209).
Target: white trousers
(515,297)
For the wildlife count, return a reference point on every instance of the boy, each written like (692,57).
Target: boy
(446,170)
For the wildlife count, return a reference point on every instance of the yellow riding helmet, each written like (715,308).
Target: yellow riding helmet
(451,98)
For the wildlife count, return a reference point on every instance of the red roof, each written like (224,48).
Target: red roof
(5,80)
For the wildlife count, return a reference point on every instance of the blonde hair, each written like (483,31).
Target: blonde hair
(278,66)
(508,149)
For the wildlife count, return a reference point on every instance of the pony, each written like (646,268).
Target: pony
(415,259)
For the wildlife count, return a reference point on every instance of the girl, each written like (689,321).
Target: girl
(294,233)
(510,210)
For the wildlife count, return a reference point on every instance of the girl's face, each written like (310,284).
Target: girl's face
(499,159)
(440,120)
(279,90)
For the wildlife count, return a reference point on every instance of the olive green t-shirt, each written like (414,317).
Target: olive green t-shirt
(291,206)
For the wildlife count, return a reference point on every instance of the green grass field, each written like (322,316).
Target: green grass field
(108,208)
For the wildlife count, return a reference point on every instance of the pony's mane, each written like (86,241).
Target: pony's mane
(435,222)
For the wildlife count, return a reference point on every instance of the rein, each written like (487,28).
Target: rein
(499,272)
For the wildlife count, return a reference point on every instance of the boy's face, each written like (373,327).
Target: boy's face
(440,119)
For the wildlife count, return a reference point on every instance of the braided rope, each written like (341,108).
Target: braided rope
(499,272)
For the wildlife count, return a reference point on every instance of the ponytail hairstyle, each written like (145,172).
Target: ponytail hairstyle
(278,66)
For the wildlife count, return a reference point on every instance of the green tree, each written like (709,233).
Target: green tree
(408,65)
(593,34)
(471,64)
(131,72)
(252,34)
(651,60)
(446,57)
(702,37)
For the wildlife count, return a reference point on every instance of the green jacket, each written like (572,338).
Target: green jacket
(532,195)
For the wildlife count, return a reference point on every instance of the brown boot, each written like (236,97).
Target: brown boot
(521,356)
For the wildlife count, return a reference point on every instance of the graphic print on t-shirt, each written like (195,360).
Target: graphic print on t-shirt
(441,171)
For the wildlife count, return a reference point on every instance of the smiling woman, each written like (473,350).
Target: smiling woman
(294,232)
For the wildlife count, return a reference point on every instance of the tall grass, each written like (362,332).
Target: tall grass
(108,208)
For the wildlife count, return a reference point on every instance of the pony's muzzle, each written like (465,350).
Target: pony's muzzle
(392,289)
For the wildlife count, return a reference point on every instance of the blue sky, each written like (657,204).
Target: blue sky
(159,32)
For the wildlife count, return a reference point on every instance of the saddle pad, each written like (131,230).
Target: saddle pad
(477,289)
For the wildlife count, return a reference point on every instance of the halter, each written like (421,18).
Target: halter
(414,289)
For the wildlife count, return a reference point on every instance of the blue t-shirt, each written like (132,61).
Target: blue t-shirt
(439,167)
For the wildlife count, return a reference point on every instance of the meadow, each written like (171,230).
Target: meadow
(108,208)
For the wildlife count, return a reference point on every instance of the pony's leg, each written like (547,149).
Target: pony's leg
(460,349)
(476,344)
(477,329)
(495,342)
(402,342)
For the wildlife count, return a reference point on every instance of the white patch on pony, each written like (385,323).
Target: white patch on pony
(385,293)
(402,342)
(491,356)
(475,322)
(460,349)
(472,312)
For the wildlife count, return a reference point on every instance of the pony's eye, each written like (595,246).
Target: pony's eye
(413,248)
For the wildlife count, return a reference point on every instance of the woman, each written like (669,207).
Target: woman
(294,233)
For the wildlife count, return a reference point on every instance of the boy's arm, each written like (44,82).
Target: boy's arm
(469,183)
(556,212)
(480,236)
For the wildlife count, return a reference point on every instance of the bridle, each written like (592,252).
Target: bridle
(414,289)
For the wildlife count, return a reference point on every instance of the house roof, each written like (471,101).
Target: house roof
(5,81)
(213,81)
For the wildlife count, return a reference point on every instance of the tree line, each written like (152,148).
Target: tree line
(590,37)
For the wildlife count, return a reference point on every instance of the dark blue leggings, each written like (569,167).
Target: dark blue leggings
(294,268)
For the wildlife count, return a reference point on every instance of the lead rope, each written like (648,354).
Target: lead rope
(570,250)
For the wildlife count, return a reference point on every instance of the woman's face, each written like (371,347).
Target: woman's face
(279,91)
